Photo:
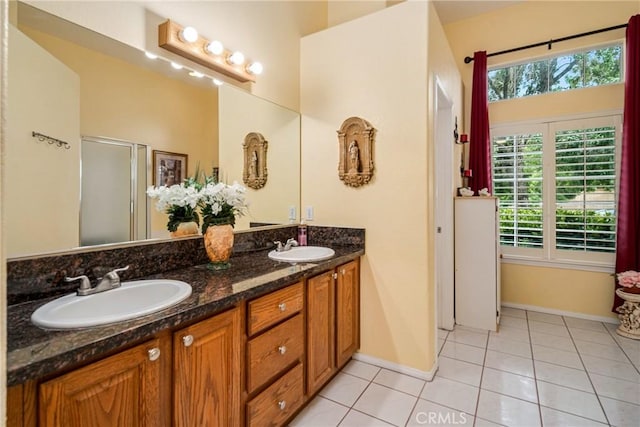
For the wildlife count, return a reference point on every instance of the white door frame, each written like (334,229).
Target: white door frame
(443,150)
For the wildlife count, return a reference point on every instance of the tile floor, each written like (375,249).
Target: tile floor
(540,369)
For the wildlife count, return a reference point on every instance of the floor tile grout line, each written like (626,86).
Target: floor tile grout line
(575,415)
(484,361)
(415,405)
(606,417)
(623,349)
(535,377)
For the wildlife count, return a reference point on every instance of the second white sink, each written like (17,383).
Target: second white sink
(303,254)
(132,299)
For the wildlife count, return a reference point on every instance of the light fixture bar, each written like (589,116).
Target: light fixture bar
(169,39)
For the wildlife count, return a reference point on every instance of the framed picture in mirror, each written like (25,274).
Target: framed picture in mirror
(169,168)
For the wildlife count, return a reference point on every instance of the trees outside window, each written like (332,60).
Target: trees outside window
(568,71)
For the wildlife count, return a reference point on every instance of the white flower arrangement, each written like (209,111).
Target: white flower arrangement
(221,203)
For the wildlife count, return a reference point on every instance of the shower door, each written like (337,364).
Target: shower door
(113,206)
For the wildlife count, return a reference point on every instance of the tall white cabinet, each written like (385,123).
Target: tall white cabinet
(477,262)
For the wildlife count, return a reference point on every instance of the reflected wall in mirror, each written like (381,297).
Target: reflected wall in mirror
(241,114)
(97,86)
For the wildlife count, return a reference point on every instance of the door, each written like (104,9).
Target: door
(121,390)
(444,209)
(206,372)
(320,330)
(347,312)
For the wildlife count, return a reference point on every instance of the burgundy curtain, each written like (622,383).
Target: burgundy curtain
(479,146)
(628,231)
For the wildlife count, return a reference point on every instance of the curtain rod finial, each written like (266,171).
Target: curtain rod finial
(468,59)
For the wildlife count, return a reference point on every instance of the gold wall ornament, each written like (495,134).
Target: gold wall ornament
(254,173)
(356,137)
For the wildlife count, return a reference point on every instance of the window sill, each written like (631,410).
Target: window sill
(565,264)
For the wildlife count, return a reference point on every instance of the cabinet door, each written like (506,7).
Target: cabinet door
(206,372)
(121,390)
(347,312)
(320,330)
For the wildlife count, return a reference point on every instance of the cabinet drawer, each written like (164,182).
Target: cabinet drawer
(273,351)
(270,309)
(275,405)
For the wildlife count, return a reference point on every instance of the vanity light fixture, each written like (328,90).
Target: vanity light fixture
(151,55)
(197,74)
(176,65)
(215,48)
(212,55)
(236,58)
(255,68)
(189,35)
(217,82)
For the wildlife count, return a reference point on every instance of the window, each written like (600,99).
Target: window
(586,68)
(556,182)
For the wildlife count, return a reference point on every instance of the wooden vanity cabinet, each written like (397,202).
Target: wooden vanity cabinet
(333,322)
(120,390)
(275,355)
(206,372)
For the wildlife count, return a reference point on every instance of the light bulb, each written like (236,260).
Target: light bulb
(189,35)
(176,65)
(255,68)
(151,55)
(197,74)
(215,48)
(236,58)
(218,82)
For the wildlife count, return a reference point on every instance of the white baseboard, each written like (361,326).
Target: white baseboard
(396,367)
(562,312)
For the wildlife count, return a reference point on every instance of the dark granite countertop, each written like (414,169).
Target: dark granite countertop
(33,352)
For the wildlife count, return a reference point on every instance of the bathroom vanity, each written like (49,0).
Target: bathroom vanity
(250,346)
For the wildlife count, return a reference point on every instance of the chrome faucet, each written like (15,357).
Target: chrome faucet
(287,246)
(110,280)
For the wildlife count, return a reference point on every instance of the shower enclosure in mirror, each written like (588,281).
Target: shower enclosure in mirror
(113,205)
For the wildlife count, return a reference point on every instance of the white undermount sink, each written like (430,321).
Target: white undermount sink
(130,300)
(303,254)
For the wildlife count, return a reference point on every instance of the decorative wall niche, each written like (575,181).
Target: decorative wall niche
(356,137)
(254,174)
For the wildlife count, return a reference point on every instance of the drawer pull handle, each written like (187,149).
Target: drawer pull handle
(282,349)
(343,272)
(282,404)
(187,340)
(282,306)
(154,354)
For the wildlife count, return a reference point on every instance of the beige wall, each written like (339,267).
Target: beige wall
(3,278)
(242,113)
(342,76)
(42,181)
(268,32)
(123,101)
(528,23)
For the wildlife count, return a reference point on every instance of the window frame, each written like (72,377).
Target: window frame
(548,255)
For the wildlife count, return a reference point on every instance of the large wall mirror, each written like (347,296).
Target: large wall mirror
(74,85)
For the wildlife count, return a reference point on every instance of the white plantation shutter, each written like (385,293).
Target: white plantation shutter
(557,186)
(585,189)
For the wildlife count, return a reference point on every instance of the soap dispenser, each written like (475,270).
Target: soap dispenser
(302,234)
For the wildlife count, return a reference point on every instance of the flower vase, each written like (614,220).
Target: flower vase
(218,242)
(185,229)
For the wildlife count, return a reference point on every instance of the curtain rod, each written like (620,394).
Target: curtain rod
(550,42)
